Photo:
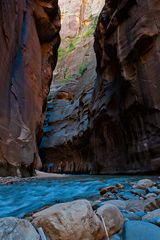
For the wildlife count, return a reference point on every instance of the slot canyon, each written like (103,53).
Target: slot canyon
(79,119)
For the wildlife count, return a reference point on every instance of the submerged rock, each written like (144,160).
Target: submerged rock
(70,221)
(17,229)
(140,230)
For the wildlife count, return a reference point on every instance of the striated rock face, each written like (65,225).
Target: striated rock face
(66,130)
(126,101)
(123,128)
(28,45)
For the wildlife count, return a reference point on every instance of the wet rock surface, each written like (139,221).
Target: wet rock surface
(28,45)
(70,221)
(20,229)
(140,230)
(112,217)
(96,219)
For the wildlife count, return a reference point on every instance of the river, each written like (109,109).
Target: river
(21,198)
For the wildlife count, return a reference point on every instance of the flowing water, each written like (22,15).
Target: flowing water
(22,198)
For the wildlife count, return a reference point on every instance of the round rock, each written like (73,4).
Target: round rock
(112,217)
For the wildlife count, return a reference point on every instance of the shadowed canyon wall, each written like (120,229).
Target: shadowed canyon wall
(126,100)
(28,47)
(116,127)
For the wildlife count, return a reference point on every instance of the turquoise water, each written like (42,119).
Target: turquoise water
(25,197)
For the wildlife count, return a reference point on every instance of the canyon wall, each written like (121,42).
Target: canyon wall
(76,14)
(28,47)
(115,127)
(126,100)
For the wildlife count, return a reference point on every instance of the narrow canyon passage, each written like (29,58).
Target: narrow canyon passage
(103,110)
(79,120)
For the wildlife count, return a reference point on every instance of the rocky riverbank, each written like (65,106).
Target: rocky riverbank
(38,175)
(119,213)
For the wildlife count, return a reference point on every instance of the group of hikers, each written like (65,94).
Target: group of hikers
(50,167)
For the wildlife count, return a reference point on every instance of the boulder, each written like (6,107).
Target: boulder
(135,205)
(112,217)
(118,203)
(152,204)
(151,215)
(140,230)
(144,184)
(17,229)
(150,195)
(111,189)
(153,190)
(119,186)
(155,220)
(70,221)
(132,215)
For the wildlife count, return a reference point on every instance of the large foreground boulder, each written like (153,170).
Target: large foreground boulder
(70,221)
(113,218)
(139,230)
(17,229)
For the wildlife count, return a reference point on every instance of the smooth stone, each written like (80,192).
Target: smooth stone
(118,203)
(155,220)
(153,214)
(140,230)
(139,192)
(17,229)
(127,195)
(151,195)
(132,215)
(135,205)
(112,217)
(112,189)
(119,186)
(144,184)
(153,190)
(152,204)
(70,221)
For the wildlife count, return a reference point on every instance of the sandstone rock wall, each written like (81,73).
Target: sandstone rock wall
(126,100)
(29,38)
(76,14)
